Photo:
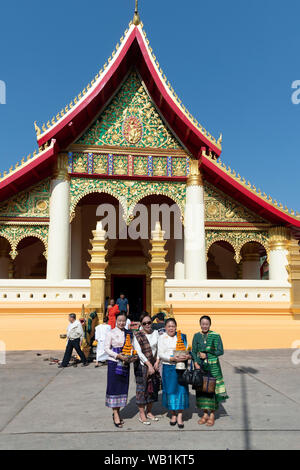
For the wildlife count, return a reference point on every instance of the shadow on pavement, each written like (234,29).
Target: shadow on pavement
(246,419)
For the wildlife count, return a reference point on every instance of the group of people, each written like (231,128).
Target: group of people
(154,362)
(155,365)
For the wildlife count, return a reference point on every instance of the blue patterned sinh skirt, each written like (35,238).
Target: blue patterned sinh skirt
(175,396)
(117,386)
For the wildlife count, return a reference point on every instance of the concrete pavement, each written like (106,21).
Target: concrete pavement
(43,407)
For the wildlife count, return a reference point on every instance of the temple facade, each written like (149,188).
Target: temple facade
(127,192)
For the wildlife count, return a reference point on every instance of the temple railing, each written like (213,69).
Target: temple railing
(78,290)
(41,290)
(234,290)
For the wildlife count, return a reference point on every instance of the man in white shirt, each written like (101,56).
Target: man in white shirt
(75,337)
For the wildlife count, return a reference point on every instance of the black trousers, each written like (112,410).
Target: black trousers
(72,343)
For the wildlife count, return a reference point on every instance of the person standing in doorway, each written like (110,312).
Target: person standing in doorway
(75,336)
(123,304)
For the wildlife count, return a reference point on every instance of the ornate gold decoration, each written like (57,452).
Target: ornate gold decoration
(100,167)
(23,164)
(237,239)
(131,119)
(120,168)
(222,208)
(61,167)
(179,167)
(279,238)
(158,266)
(136,18)
(79,166)
(128,193)
(194,178)
(37,129)
(97,265)
(140,169)
(42,205)
(28,203)
(15,233)
(163,78)
(250,187)
(158,169)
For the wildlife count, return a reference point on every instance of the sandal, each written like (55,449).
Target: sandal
(118,425)
(210,422)
(203,420)
(121,420)
(146,423)
(154,418)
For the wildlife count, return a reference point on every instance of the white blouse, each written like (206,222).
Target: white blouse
(114,339)
(153,341)
(166,347)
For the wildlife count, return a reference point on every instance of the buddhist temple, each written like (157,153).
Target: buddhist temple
(218,246)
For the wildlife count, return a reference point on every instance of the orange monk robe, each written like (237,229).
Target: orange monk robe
(112,312)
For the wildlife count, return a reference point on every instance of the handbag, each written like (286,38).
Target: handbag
(200,380)
(208,382)
(187,376)
(191,377)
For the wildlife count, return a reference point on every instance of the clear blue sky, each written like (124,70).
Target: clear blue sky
(232,62)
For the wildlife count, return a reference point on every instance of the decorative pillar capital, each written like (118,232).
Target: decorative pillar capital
(195,177)
(279,238)
(61,168)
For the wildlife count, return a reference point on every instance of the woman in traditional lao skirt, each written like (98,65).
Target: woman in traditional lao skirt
(117,372)
(146,369)
(175,396)
(206,349)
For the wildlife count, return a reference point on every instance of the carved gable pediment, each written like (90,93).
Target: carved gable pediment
(33,202)
(130,120)
(221,208)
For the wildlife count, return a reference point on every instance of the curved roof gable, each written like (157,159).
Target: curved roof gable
(72,121)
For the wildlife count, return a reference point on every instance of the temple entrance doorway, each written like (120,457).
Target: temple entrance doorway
(134,288)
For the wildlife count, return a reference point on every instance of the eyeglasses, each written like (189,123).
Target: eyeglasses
(147,323)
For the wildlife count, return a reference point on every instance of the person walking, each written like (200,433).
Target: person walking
(75,336)
(146,369)
(123,304)
(175,395)
(206,349)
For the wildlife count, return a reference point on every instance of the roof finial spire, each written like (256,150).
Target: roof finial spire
(136,19)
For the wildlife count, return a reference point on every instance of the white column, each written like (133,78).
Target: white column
(179,259)
(59,227)
(278,252)
(194,227)
(76,248)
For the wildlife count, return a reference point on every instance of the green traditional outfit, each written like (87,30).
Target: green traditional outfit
(211,344)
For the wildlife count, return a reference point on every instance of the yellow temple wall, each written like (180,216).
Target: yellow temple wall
(35,326)
(244,326)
